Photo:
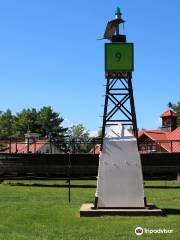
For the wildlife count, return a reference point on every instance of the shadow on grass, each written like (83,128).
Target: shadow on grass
(163,187)
(53,185)
(76,185)
(171,211)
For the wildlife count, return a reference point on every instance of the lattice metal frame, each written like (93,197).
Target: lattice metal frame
(116,99)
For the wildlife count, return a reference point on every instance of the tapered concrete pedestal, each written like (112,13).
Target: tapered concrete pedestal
(120,180)
(120,189)
(88,210)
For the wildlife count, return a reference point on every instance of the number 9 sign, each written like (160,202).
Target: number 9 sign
(119,57)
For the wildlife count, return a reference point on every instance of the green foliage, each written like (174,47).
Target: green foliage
(45,122)
(6,124)
(176,108)
(80,133)
(50,122)
(25,120)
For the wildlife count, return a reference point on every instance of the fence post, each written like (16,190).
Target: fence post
(94,144)
(27,145)
(16,146)
(171,146)
(50,145)
(69,177)
(10,145)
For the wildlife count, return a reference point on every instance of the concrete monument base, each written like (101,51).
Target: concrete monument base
(88,210)
(120,180)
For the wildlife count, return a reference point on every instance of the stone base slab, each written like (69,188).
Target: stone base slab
(88,210)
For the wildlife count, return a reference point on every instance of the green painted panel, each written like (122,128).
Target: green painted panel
(119,57)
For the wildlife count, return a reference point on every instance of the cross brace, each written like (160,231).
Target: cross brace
(119,99)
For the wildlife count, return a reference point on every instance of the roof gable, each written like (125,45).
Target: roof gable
(170,141)
(168,113)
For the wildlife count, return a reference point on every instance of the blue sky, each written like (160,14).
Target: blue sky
(49,55)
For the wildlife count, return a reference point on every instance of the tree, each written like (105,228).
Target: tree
(50,122)
(26,120)
(78,131)
(46,122)
(79,135)
(176,108)
(6,124)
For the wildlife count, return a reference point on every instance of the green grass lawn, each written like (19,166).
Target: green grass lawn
(43,213)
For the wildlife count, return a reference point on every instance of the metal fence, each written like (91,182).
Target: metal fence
(49,146)
(78,145)
(154,165)
(160,146)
